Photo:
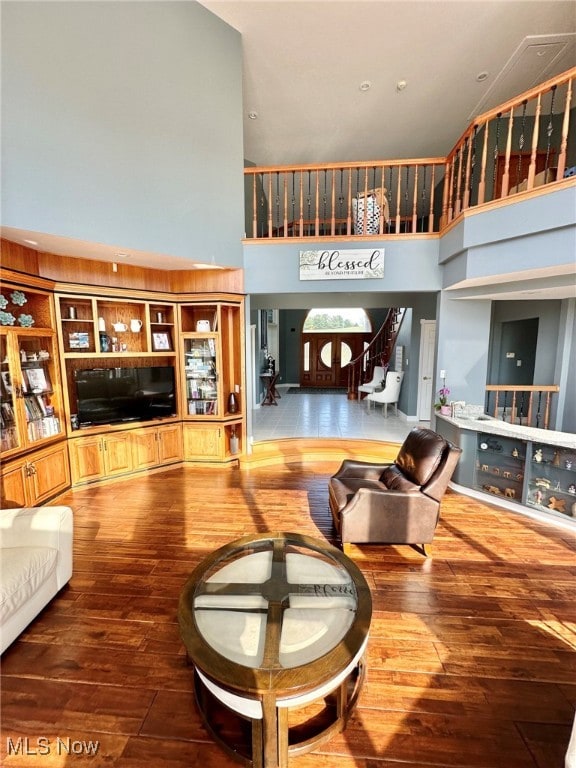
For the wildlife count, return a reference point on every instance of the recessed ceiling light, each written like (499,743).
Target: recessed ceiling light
(481,76)
(253,115)
(123,256)
(30,242)
(401,85)
(365,85)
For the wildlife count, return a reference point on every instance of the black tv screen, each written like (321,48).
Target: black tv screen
(112,395)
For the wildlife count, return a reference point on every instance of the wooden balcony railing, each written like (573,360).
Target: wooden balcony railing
(528,405)
(332,200)
(514,148)
(529,141)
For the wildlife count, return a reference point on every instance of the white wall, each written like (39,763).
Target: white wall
(122,124)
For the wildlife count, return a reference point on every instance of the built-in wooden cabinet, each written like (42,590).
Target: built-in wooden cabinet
(96,457)
(30,393)
(50,339)
(34,478)
(35,463)
(112,333)
(155,446)
(114,326)
(110,454)
(212,375)
(212,442)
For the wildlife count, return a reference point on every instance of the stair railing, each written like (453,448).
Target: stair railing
(378,352)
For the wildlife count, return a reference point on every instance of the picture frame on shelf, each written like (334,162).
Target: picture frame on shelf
(37,379)
(161,342)
(79,340)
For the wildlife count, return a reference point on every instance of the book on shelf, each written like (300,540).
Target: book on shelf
(8,413)
(46,427)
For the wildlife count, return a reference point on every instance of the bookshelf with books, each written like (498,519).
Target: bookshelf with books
(31,413)
(211,339)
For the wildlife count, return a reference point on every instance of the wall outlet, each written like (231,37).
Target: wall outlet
(442,374)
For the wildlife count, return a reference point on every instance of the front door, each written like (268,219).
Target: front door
(325,357)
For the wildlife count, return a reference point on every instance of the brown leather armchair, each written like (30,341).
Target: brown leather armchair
(395,503)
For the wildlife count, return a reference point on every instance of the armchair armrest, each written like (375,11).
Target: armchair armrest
(389,517)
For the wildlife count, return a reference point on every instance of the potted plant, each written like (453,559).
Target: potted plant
(442,404)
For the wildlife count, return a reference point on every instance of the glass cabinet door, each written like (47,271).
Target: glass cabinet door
(10,438)
(552,480)
(201,370)
(39,387)
(500,466)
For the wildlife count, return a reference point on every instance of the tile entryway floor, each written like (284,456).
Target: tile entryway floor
(328,415)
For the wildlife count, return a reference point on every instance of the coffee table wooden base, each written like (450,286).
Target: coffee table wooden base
(283,730)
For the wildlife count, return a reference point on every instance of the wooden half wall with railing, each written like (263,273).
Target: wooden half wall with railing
(524,404)
(520,148)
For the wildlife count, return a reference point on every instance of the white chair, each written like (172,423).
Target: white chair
(390,393)
(377,379)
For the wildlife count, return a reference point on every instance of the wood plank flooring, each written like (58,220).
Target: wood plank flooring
(471,658)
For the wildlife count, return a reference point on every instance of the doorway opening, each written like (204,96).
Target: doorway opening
(331,339)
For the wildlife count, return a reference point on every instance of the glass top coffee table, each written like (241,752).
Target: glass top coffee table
(276,627)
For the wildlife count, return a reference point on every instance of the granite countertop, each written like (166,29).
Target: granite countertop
(493,426)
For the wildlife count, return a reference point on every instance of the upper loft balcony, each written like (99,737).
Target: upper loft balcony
(524,147)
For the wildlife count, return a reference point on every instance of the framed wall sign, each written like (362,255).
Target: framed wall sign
(351,264)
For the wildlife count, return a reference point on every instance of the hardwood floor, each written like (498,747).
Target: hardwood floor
(471,658)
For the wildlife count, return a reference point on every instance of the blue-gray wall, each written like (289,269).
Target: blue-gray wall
(122,124)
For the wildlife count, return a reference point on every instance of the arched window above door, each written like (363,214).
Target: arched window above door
(322,320)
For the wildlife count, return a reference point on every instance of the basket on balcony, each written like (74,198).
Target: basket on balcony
(373,205)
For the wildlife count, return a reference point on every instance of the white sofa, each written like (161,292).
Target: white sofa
(35,563)
(570,761)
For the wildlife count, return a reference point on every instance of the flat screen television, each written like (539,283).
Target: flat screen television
(112,395)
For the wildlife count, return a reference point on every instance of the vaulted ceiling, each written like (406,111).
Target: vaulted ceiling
(423,62)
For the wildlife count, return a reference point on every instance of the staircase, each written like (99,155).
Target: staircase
(378,352)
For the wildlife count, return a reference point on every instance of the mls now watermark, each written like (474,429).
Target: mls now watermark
(42,745)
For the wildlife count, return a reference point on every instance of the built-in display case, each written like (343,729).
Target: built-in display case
(32,425)
(112,332)
(54,343)
(212,397)
(30,392)
(114,326)
(552,479)
(201,369)
(533,469)
(500,466)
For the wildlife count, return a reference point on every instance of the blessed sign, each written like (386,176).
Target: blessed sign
(359,264)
